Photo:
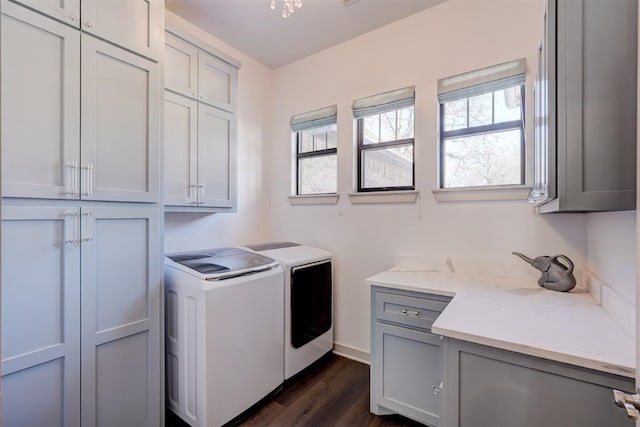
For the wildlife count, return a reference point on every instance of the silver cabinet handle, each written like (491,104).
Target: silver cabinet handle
(193,200)
(89,216)
(88,191)
(404,311)
(416,313)
(201,187)
(74,239)
(73,178)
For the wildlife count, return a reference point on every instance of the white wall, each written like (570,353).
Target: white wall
(456,36)
(251,223)
(612,250)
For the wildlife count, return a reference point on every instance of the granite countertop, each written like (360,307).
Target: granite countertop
(520,316)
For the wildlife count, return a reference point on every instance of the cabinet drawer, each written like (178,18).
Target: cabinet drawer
(407,310)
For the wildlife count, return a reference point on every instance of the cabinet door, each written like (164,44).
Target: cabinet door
(492,387)
(597,104)
(120,118)
(217,82)
(121,317)
(407,367)
(40,105)
(216,157)
(40,316)
(181,150)
(137,25)
(67,11)
(180,66)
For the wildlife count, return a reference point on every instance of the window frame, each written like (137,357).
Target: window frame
(310,154)
(362,148)
(483,129)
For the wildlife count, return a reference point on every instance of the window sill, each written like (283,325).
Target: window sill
(314,199)
(372,197)
(479,194)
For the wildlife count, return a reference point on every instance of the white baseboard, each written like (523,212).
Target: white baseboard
(351,353)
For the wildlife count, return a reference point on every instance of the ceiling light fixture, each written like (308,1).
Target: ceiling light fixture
(288,6)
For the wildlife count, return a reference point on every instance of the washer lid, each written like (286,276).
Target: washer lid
(220,263)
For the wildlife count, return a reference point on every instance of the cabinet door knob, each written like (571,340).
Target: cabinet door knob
(416,313)
(404,311)
(73,17)
(89,24)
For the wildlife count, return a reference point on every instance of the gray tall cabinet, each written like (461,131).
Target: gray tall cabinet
(81,216)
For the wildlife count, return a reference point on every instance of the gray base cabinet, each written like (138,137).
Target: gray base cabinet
(406,358)
(492,387)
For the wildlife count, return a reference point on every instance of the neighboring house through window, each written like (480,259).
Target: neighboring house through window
(316,151)
(385,140)
(482,127)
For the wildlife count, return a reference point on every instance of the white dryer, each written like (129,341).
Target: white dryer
(224,341)
(308,302)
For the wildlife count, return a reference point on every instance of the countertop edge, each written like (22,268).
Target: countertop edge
(535,351)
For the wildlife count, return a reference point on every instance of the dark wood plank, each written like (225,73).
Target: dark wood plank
(333,392)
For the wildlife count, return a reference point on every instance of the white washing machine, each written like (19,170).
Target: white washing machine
(308,302)
(224,341)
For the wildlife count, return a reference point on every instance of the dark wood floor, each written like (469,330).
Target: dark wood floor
(332,392)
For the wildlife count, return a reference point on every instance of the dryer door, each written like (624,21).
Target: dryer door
(311,301)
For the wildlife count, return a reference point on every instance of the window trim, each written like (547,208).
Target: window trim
(362,147)
(309,154)
(479,130)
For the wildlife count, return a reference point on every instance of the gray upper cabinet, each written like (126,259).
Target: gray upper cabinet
(67,11)
(136,25)
(216,157)
(585,107)
(216,82)
(199,127)
(195,73)
(120,113)
(181,66)
(40,105)
(46,152)
(181,150)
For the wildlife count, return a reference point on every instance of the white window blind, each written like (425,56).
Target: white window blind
(316,118)
(484,80)
(383,102)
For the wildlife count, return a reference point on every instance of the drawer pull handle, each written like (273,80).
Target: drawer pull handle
(404,311)
(416,313)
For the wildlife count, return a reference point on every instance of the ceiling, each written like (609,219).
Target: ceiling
(253,28)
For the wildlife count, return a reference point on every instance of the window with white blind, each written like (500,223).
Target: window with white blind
(482,127)
(316,151)
(385,141)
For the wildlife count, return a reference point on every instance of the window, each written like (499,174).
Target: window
(482,127)
(316,151)
(385,141)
